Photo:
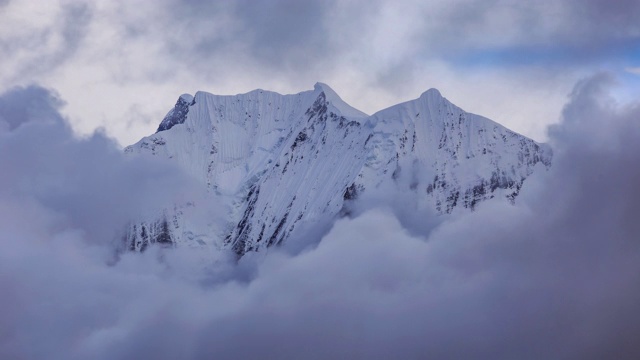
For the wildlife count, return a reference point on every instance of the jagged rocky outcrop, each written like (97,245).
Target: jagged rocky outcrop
(278,161)
(178,114)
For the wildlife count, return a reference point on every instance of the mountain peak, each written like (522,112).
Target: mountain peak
(188,98)
(319,86)
(333,98)
(432,93)
(281,163)
(178,114)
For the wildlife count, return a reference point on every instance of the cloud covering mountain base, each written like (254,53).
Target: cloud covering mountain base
(554,276)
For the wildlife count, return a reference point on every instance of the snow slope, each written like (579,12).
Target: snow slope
(278,161)
(448,157)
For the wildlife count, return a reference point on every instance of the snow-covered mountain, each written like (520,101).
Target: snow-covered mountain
(276,162)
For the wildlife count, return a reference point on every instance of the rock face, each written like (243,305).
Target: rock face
(178,114)
(279,161)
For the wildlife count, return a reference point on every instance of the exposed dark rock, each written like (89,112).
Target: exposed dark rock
(176,116)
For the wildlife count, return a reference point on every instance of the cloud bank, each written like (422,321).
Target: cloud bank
(554,276)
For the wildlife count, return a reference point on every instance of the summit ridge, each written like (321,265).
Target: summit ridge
(280,163)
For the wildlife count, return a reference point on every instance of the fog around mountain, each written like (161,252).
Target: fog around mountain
(552,276)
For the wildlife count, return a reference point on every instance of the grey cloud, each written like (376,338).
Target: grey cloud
(606,18)
(88,182)
(275,34)
(563,33)
(33,103)
(43,54)
(286,27)
(317,39)
(75,19)
(554,276)
(292,42)
(496,33)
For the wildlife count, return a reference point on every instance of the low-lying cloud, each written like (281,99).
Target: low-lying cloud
(554,276)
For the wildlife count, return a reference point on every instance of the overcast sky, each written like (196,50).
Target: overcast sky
(121,65)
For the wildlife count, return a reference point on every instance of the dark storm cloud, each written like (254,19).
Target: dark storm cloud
(554,276)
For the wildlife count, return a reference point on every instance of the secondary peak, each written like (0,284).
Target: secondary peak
(335,99)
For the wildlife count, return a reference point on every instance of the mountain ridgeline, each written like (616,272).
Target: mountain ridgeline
(277,162)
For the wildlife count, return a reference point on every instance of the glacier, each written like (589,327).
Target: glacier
(277,162)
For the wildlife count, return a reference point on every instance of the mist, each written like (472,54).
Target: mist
(554,276)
